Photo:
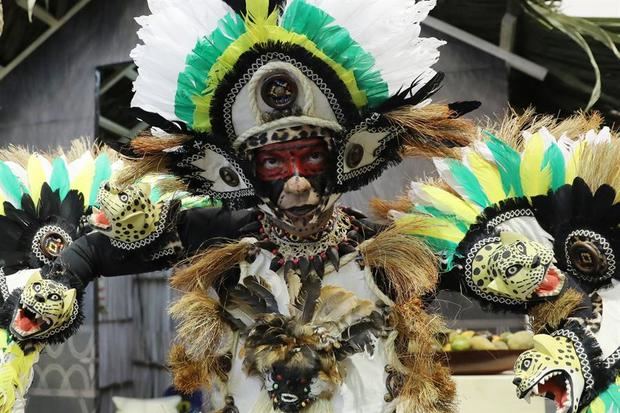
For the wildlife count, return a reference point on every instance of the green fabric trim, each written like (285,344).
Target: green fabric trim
(336,42)
(193,80)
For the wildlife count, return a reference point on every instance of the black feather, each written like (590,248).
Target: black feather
(404,97)
(463,107)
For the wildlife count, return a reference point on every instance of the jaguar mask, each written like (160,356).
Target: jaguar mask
(45,308)
(516,268)
(551,369)
(294,180)
(125,214)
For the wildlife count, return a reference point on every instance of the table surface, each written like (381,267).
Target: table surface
(493,394)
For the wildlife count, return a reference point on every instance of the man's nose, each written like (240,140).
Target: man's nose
(297,185)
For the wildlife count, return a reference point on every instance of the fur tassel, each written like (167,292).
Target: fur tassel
(381,208)
(550,315)
(432,130)
(409,265)
(200,330)
(188,375)
(204,269)
(427,385)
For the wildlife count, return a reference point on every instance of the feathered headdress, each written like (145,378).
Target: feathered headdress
(44,198)
(243,74)
(531,184)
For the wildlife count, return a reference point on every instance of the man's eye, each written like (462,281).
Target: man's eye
(271,163)
(316,157)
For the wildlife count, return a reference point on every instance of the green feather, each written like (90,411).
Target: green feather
(468,181)
(10,184)
(59,178)
(103,170)
(193,80)
(555,160)
(463,226)
(508,163)
(336,42)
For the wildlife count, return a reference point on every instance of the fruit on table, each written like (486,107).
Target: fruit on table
(521,340)
(459,340)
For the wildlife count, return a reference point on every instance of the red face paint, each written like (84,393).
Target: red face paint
(280,161)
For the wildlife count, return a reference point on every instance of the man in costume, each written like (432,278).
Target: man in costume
(294,304)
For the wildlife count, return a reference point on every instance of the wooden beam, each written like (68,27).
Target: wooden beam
(42,38)
(514,61)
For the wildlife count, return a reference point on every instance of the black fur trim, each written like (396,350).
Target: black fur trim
(601,375)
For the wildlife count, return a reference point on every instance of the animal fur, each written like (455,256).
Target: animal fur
(409,265)
(201,330)
(434,123)
(427,385)
(549,316)
(187,374)
(203,270)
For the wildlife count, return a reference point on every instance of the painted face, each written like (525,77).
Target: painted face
(516,268)
(293,179)
(552,369)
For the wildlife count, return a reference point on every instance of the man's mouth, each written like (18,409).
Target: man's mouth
(552,284)
(99,220)
(300,211)
(28,322)
(555,386)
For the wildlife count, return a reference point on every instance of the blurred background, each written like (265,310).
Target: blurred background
(65,73)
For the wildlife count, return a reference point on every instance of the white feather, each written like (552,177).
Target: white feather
(528,227)
(390,31)
(169,35)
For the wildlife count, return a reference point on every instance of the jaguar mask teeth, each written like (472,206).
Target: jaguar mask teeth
(556,386)
(552,283)
(99,220)
(27,321)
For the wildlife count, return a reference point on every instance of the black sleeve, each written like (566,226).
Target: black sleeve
(93,255)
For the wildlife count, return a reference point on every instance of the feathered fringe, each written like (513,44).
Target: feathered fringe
(432,130)
(427,384)
(598,165)
(203,270)
(409,265)
(512,126)
(77,148)
(550,315)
